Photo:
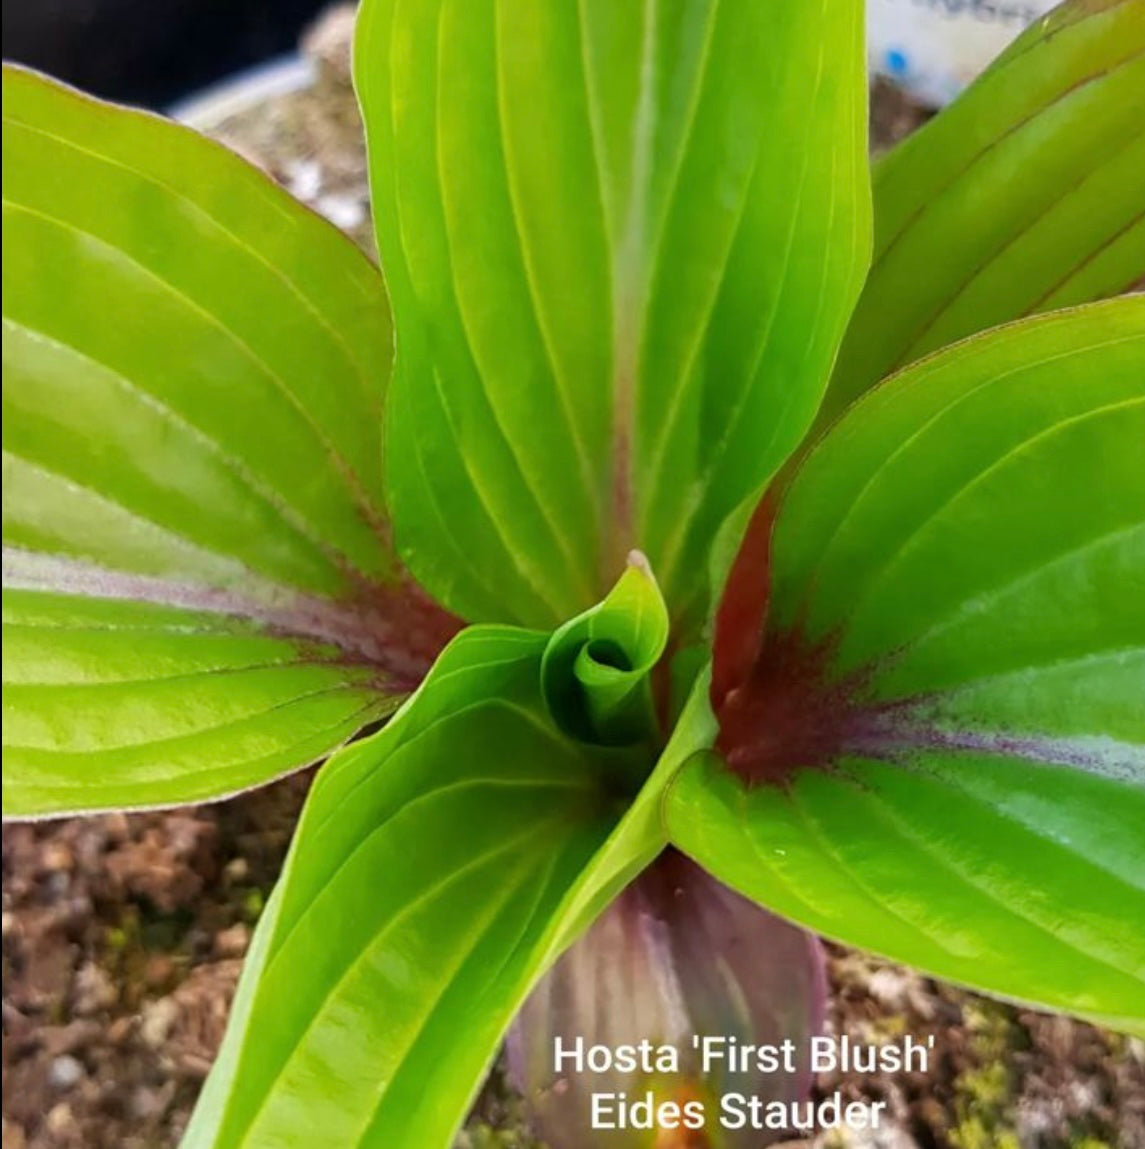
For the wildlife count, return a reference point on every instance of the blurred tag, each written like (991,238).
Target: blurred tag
(934,48)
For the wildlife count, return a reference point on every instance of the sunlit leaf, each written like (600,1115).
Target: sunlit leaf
(439,867)
(938,750)
(622,242)
(1023,195)
(194,368)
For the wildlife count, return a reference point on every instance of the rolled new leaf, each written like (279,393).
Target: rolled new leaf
(200,593)
(1022,196)
(676,957)
(932,743)
(597,669)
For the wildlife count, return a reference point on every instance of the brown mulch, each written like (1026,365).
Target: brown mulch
(122,940)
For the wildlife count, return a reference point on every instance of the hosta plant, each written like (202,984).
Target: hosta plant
(716,522)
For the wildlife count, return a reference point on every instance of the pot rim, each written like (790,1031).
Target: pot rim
(210,106)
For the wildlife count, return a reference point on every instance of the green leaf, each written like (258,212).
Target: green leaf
(1022,196)
(622,242)
(114,704)
(596,673)
(179,335)
(939,753)
(194,368)
(439,867)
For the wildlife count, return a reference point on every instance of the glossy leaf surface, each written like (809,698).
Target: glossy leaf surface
(942,734)
(1024,195)
(193,377)
(439,867)
(622,241)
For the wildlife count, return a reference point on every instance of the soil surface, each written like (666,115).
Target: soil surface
(123,934)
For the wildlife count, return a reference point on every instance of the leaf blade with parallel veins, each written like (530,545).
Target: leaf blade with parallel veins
(116,704)
(193,376)
(392,931)
(634,330)
(941,734)
(1022,196)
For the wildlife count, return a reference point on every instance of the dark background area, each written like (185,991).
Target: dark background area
(150,52)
